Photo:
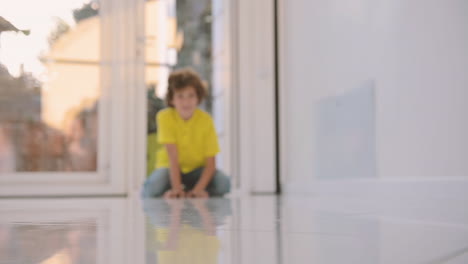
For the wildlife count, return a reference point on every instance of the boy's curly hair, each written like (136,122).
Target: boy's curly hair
(181,79)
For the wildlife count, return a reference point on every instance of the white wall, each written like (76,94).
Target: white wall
(411,59)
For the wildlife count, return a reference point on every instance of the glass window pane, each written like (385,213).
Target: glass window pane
(49,85)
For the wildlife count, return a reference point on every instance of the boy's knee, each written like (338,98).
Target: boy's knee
(156,184)
(221,184)
(150,191)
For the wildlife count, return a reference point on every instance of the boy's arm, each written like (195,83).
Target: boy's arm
(177,190)
(211,148)
(175,224)
(207,218)
(207,175)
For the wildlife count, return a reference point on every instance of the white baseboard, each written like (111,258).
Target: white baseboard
(453,187)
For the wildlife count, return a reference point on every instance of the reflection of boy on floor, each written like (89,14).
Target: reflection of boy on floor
(183,243)
(184,231)
(186,165)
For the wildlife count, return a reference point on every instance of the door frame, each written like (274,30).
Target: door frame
(255,105)
(250,111)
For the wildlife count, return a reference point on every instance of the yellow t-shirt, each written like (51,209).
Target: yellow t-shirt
(195,138)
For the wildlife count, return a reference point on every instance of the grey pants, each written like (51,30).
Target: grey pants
(159,182)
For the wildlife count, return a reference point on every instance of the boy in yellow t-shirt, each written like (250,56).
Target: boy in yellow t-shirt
(186,167)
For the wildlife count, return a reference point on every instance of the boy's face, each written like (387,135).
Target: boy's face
(185,102)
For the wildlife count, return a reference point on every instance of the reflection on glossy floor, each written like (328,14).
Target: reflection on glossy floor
(254,229)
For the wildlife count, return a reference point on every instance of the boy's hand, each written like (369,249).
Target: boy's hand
(174,194)
(195,193)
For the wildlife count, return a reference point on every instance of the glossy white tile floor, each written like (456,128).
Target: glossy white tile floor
(254,229)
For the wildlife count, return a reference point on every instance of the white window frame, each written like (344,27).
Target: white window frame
(122,137)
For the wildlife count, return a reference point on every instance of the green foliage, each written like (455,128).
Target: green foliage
(152,147)
(155,104)
(86,11)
